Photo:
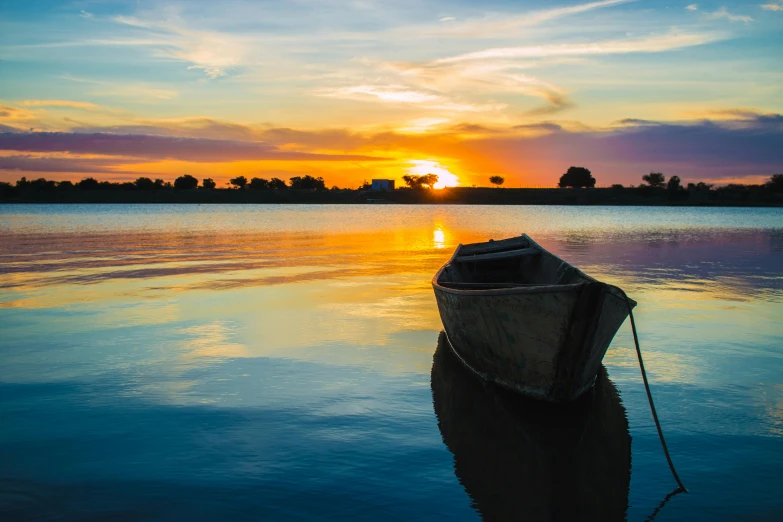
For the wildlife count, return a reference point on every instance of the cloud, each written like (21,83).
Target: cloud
(447,19)
(424,124)
(15,114)
(8,128)
(497,24)
(692,7)
(472,128)
(388,93)
(160,147)
(480,78)
(87,15)
(772,7)
(29,163)
(724,13)
(212,52)
(186,128)
(734,145)
(138,91)
(406,95)
(746,145)
(691,150)
(650,44)
(58,103)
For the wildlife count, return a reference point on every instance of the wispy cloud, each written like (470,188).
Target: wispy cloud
(721,13)
(423,124)
(59,103)
(387,93)
(650,44)
(214,53)
(160,147)
(724,13)
(30,163)
(136,91)
(405,95)
(772,7)
(497,24)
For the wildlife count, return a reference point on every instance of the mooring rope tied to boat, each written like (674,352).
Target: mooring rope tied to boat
(649,394)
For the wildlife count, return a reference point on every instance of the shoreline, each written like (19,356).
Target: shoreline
(721,197)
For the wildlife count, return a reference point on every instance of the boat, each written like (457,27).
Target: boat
(523,459)
(521,317)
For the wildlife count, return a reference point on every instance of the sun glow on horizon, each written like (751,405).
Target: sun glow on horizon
(424,167)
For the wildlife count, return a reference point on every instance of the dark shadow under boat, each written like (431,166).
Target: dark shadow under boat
(521,459)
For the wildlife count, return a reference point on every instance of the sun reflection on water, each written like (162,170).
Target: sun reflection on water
(439,238)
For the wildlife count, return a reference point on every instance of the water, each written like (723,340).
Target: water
(165,362)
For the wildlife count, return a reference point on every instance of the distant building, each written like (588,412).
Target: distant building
(383,184)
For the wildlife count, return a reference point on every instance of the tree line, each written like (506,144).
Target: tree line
(184,182)
(580,177)
(575,177)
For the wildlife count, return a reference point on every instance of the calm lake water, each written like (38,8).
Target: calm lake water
(167,362)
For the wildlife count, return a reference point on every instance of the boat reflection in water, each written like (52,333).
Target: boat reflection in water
(521,459)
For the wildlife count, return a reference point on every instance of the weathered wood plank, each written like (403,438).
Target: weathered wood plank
(462,258)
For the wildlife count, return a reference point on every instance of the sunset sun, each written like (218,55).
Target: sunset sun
(424,167)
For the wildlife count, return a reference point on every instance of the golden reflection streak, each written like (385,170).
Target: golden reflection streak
(439,238)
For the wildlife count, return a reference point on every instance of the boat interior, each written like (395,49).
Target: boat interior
(507,263)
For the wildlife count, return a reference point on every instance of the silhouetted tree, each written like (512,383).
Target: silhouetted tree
(259,184)
(674,184)
(307,183)
(654,179)
(410,179)
(43,184)
(159,183)
(277,184)
(186,182)
(65,185)
(208,183)
(6,189)
(87,184)
(577,177)
(366,185)
(617,186)
(429,180)
(775,183)
(414,181)
(239,182)
(145,184)
(497,180)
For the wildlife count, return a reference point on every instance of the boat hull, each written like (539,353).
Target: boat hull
(544,342)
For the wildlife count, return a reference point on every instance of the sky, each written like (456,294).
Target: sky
(362,89)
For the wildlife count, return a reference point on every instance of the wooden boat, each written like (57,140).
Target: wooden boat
(525,319)
(522,459)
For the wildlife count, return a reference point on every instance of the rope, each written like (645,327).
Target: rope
(665,500)
(649,395)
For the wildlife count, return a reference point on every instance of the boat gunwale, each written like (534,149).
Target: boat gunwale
(532,289)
